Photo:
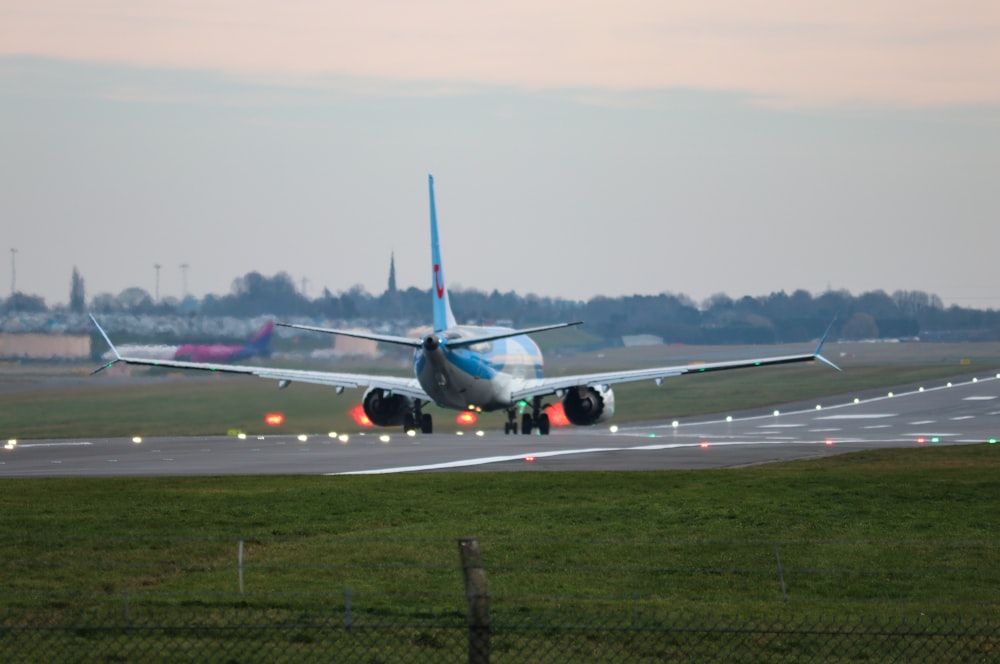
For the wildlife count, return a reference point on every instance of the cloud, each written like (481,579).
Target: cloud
(789,52)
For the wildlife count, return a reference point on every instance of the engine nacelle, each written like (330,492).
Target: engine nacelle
(589,405)
(385,409)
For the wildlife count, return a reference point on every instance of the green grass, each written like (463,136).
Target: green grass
(916,527)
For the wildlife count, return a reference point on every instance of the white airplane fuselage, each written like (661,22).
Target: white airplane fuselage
(481,376)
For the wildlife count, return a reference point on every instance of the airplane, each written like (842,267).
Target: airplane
(465,367)
(259,344)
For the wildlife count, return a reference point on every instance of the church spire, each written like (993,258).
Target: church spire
(392,274)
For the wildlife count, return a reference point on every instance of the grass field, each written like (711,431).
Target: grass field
(912,529)
(910,534)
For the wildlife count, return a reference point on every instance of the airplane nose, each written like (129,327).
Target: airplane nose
(431,343)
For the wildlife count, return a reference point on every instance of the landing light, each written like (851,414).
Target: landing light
(921,389)
(343,438)
(777,412)
(857,400)
(241,436)
(819,407)
(675,424)
(729,418)
(891,394)
(332,434)
(384,438)
(412,433)
(480,433)
(11,444)
(303,438)
(136,439)
(613,428)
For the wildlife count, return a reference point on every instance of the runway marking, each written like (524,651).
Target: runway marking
(779,426)
(464,463)
(857,416)
(980,398)
(879,426)
(825,430)
(919,422)
(66,444)
(962,417)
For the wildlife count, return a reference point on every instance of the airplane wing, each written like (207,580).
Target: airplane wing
(398,385)
(545,386)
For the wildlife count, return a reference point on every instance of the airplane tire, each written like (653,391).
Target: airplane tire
(426,423)
(526,424)
(506,428)
(543,424)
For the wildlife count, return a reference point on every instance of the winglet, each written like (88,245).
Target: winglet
(818,354)
(110,345)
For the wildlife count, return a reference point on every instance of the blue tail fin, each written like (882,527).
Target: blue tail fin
(443,318)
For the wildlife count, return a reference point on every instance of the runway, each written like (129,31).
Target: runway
(940,414)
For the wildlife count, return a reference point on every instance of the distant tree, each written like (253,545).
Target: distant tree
(104,303)
(860,326)
(23,303)
(135,300)
(76,293)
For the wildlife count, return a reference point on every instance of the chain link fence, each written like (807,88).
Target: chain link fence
(744,602)
(248,634)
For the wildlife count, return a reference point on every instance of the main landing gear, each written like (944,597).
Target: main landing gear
(417,419)
(536,419)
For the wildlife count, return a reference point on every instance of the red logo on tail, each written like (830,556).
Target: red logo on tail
(438,286)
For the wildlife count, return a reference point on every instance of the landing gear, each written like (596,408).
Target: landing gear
(536,419)
(411,421)
(510,426)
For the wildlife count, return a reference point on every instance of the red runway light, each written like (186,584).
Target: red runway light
(358,415)
(530,459)
(704,445)
(921,440)
(274,419)
(829,441)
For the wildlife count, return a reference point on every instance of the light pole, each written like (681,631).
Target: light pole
(157,266)
(13,277)
(184,279)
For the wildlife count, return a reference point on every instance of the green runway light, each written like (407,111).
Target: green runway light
(993,441)
(935,439)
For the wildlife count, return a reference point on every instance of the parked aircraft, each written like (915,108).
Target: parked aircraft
(466,367)
(259,344)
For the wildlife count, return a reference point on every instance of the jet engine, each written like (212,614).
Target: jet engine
(384,408)
(585,405)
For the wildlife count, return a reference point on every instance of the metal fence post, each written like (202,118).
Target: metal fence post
(478,617)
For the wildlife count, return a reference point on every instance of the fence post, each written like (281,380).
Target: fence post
(239,565)
(781,574)
(478,616)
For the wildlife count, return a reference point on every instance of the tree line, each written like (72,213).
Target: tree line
(778,317)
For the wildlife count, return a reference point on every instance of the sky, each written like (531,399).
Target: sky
(579,149)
